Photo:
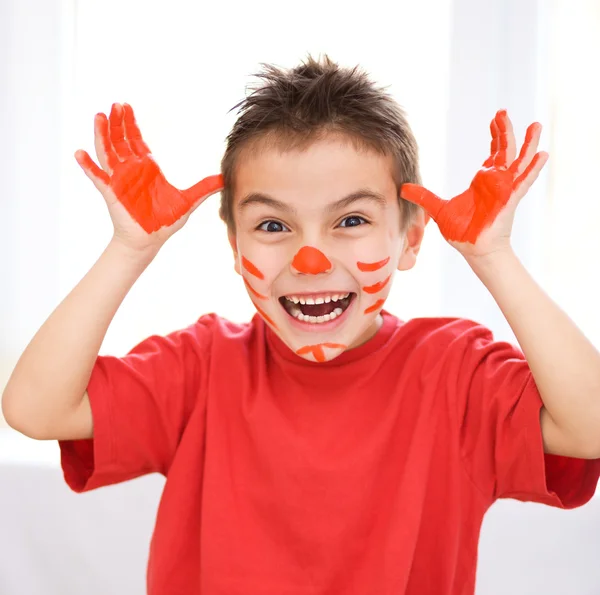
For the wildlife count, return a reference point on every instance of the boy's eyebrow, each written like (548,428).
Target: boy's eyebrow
(269,201)
(257,198)
(361,194)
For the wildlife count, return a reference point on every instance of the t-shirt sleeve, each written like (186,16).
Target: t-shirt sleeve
(140,407)
(498,410)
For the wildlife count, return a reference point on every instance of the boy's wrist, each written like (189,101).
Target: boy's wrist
(141,256)
(490,266)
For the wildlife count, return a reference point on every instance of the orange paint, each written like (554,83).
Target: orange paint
(317,350)
(251,268)
(265,316)
(311,261)
(499,143)
(378,286)
(378,304)
(368,267)
(254,292)
(464,217)
(134,176)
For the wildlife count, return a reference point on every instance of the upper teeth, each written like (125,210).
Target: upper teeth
(323,299)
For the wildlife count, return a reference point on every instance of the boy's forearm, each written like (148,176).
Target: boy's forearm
(51,376)
(564,364)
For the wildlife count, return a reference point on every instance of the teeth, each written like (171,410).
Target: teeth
(318,319)
(320,300)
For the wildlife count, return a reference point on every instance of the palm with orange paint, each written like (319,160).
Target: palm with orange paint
(479,221)
(144,207)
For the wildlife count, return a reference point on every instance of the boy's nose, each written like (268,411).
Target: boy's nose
(311,261)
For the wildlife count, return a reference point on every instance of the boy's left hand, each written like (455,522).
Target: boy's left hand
(479,221)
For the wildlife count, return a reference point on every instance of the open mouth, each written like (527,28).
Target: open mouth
(316,309)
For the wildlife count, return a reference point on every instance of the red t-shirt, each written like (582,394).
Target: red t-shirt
(367,474)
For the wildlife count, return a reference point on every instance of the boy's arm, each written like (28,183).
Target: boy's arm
(46,396)
(478,223)
(564,364)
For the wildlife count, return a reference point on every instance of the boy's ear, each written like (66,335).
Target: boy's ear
(233,243)
(412,242)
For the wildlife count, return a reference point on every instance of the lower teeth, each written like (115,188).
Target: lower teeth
(318,319)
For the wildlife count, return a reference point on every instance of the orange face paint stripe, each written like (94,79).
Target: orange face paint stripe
(368,267)
(251,268)
(375,306)
(265,316)
(317,350)
(378,286)
(310,261)
(254,292)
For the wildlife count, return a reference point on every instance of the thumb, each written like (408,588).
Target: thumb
(199,192)
(98,176)
(422,197)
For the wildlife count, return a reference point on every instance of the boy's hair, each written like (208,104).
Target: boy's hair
(291,108)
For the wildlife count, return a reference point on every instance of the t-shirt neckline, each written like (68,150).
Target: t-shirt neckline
(379,339)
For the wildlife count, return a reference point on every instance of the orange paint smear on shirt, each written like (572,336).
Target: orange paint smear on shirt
(254,292)
(317,350)
(368,267)
(251,268)
(378,286)
(311,261)
(265,315)
(375,306)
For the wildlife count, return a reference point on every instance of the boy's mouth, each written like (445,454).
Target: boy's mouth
(317,308)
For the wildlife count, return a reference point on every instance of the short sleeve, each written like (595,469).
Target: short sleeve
(498,410)
(140,407)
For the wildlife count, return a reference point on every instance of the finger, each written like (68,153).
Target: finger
(104,150)
(494,144)
(503,129)
(529,176)
(133,133)
(509,134)
(528,150)
(98,176)
(117,132)
(422,197)
(199,192)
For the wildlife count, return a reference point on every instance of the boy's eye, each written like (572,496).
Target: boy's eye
(272,226)
(352,221)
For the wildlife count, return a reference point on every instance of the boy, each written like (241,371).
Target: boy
(326,446)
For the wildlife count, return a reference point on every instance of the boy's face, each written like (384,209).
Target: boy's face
(317,241)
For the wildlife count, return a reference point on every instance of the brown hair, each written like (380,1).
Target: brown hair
(290,108)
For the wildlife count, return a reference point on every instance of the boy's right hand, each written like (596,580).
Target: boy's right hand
(145,209)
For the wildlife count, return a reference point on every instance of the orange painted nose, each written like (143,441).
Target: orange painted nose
(311,261)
